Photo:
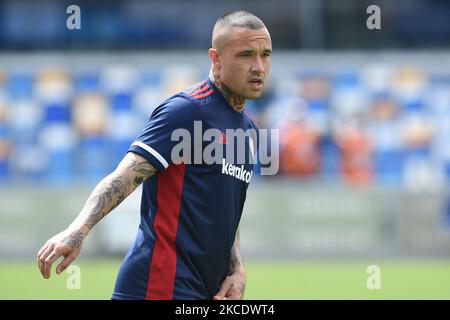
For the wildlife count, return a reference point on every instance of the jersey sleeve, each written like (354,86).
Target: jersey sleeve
(155,143)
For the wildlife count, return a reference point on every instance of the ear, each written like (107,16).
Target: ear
(215,58)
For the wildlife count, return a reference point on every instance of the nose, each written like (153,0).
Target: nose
(257,65)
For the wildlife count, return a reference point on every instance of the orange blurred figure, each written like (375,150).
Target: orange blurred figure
(356,149)
(299,153)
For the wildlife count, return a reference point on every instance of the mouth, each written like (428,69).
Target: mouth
(256,83)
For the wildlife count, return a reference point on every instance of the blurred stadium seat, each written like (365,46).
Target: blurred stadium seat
(376,124)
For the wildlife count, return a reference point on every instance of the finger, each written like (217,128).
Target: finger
(233,293)
(49,261)
(239,290)
(39,254)
(224,288)
(42,249)
(44,256)
(65,263)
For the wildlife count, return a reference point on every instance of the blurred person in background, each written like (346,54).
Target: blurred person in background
(356,152)
(302,115)
(187,246)
(299,144)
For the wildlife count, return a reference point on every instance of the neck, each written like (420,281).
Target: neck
(235,101)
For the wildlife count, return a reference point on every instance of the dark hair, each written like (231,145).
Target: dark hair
(240,18)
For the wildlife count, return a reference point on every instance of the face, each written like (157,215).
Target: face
(244,60)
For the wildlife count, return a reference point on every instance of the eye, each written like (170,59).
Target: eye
(245,54)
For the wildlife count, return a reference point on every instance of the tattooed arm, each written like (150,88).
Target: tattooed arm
(106,196)
(233,287)
(236,263)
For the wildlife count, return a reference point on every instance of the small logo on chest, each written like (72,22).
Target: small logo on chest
(238,172)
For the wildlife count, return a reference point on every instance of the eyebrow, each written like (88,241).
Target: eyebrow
(245,52)
(252,51)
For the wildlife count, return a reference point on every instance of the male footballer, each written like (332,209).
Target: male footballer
(187,245)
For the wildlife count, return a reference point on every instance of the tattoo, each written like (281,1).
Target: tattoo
(235,256)
(113,190)
(142,170)
(237,102)
(89,225)
(234,260)
(75,239)
(236,263)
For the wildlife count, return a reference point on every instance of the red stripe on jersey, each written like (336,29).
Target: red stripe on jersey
(199,86)
(208,93)
(200,90)
(163,265)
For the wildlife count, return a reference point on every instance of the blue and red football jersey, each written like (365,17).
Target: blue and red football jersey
(190,212)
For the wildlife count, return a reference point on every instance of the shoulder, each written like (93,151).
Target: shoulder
(201,93)
(187,101)
(176,105)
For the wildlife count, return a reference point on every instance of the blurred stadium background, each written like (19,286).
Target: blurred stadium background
(364,119)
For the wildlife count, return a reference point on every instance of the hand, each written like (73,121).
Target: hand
(67,244)
(232,287)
